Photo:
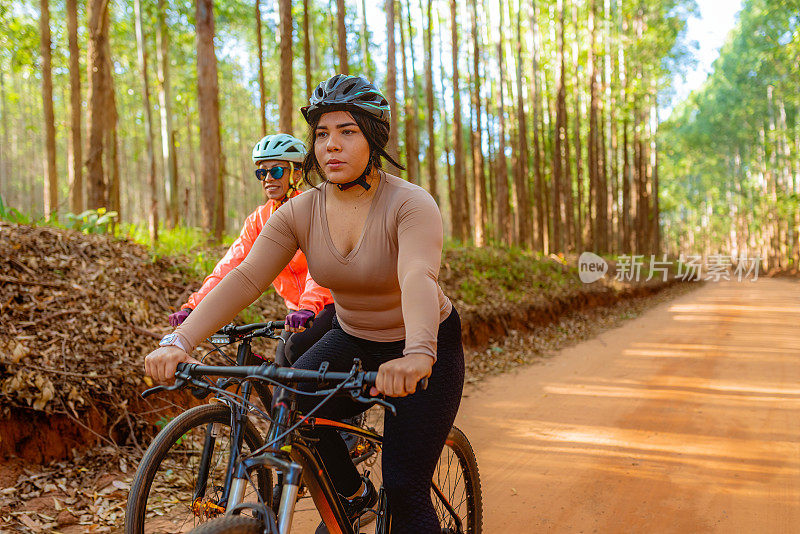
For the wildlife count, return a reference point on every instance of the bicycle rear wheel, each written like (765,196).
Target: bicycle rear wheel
(161,496)
(457,478)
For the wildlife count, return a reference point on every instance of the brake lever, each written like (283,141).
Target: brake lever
(358,397)
(386,404)
(158,389)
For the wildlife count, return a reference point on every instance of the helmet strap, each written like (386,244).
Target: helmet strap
(361,180)
(292,186)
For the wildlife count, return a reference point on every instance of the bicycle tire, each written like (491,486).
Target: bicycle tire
(467,502)
(231,524)
(172,450)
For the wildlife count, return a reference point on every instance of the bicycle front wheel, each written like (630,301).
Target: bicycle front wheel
(189,457)
(232,524)
(459,484)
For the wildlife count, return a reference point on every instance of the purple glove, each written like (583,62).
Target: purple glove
(299,318)
(179,316)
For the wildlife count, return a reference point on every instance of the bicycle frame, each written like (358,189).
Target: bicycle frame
(304,459)
(239,414)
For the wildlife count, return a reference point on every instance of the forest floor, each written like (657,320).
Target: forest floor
(81,311)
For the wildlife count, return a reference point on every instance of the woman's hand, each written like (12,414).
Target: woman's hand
(161,363)
(297,321)
(399,377)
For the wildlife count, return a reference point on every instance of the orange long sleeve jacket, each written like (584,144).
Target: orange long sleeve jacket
(294,283)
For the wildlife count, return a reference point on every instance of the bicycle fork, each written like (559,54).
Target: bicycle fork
(292,472)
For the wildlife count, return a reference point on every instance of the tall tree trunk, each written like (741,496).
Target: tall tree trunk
(559,138)
(596,212)
(521,174)
(4,174)
(195,187)
(287,72)
(307,49)
(636,208)
(603,150)
(262,86)
(576,95)
(148,124)
(430,154)
(503,219)
(536,103)
(344,68)
(627,208)
(566,191)
(97,60)
(445,122)
(412,119)
(461,216)
(655,240)
(75,155)
(112,144)
(391,79)
(410,126)
(112,161)
(365,41)
(478,177)
(51,179)
(167,131)
(208,109)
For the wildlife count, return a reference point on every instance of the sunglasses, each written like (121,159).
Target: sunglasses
(275,172)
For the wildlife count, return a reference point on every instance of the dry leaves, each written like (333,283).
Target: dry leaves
(79,313)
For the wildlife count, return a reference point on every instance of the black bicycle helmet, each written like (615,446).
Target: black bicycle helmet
(346,93)
(342,92)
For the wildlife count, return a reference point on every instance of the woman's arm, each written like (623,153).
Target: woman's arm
(419,237)
(419,255)
(272,250)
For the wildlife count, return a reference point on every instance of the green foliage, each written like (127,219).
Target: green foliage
(730,149)
(91,221)
(502,274)
(189,242)
(12,215)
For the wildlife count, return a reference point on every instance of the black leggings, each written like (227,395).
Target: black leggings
(413,439)
(292,346)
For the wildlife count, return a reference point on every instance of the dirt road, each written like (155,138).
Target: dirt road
(685,420)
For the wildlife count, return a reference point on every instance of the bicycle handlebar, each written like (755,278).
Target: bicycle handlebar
(288,375)
(234,330)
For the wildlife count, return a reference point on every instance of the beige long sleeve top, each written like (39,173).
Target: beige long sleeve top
(385,289)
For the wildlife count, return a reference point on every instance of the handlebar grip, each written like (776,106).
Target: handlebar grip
(372,376)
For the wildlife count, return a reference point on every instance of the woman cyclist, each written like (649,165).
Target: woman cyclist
(375,240)
(278,159)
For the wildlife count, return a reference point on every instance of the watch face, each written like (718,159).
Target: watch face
(168,339)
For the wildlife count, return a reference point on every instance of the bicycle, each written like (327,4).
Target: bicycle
(239,493)
(205,441)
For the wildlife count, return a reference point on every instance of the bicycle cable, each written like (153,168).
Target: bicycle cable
(304,418)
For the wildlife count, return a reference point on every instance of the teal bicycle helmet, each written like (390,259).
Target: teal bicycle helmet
(279,147)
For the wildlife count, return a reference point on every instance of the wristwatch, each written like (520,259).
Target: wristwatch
(174,339)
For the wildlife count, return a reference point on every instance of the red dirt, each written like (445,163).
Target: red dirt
(683,420)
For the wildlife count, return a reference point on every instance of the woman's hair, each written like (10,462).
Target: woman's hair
(376,132)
